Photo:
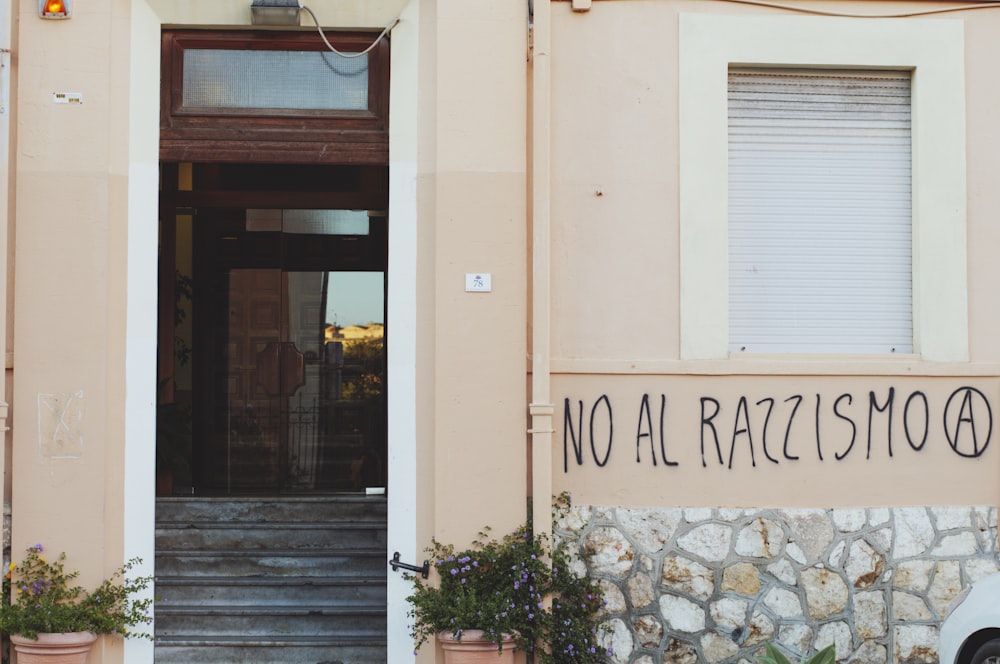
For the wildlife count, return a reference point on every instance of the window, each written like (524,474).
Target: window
(819,211)
(932,52)
(280,97)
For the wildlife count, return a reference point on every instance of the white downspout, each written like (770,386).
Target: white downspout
(6,209)
(540,408)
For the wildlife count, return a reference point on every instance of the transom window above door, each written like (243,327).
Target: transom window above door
(280,97)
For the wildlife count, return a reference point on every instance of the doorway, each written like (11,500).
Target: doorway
(273,336)
(272,413)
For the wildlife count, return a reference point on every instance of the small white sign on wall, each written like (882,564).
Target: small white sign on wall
(478,282)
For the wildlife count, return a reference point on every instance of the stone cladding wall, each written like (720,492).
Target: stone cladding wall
(692,586)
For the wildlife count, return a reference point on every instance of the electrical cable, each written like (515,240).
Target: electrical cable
(821,12)
(349,55)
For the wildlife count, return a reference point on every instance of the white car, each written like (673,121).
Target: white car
(971,630)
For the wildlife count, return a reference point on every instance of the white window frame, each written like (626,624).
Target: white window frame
(933,49)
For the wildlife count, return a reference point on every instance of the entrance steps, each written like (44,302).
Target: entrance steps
(297,580)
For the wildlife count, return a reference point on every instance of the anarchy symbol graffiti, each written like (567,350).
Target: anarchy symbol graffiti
(968,422)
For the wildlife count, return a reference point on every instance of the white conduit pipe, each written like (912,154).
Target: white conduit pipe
(540,408)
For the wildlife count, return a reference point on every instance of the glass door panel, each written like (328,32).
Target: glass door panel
(279,352)
(303,405)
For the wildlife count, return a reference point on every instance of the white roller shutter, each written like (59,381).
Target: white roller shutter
(819,211)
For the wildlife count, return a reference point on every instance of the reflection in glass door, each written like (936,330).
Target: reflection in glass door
(301,404)
(280,333)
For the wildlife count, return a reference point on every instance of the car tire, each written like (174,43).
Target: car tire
(988,653)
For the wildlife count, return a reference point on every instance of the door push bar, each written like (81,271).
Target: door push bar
(424,569)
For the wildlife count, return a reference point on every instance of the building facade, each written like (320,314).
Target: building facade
(723,271)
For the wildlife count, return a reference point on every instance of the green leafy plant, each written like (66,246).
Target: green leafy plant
(773,656)
(38,598)
(507,586)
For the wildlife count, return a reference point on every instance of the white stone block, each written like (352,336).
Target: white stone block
(870,614)
(913,575)
(914,532)
(696,514)
(915,644)
(877,516)
(650,529)
(837,634)
(688,577)
(761,538)
(864,565)
(759,630)
(946,584)
(949,518)
(729,613)
(682,614)
(961,544)
(717,648)
(980,568)
(907,607)
(783,603)
(826,592)
(849,520)
(613,554)
(710,541)
(619,640)
(783,571)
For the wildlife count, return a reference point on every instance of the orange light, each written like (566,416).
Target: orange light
(54,8)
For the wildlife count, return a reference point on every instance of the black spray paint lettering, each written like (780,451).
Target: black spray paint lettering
(646,416)
(967,426)
(570,434)
(740,429)
(854,427)
(788,429)
(707,421)
(927,419)
(767,419)
(887,408)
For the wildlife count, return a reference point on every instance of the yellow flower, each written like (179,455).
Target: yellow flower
(12,566)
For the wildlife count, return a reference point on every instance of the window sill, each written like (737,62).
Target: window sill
(779,365)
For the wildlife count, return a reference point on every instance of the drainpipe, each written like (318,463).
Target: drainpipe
(6,207)
(539,159)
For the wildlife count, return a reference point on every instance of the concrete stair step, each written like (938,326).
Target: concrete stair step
(289,650)
(272,563)
(271,621)
(237,535)
(344,509)
(271,580)
(315,591)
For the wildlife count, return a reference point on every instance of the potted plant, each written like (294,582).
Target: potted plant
(499,594)
(43,613)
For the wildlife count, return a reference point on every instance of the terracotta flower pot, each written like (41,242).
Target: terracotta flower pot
(61,648)
(474,648)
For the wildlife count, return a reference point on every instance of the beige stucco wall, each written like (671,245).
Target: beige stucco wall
(85,201)
(618,246)
(84,183)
